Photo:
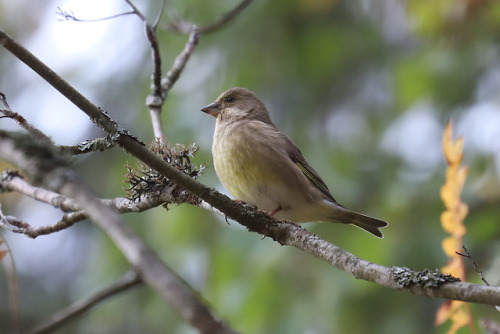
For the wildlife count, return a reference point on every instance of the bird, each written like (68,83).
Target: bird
(260,165)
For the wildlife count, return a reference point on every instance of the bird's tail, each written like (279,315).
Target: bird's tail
(367,223)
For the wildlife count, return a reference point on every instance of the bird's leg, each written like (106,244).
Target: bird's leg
(275,211)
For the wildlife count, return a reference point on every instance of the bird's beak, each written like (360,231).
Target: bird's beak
(213,109)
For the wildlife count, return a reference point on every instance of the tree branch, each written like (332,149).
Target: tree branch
(90,145)
(127,281)
(181,60)
(7,112)
(12,181)
(155,100)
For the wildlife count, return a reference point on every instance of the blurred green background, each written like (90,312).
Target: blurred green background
(364,89)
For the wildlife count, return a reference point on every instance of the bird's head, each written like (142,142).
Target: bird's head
(238,103)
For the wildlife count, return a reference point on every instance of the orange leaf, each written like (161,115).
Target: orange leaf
(452,222)
(443,313)
(459,319)
(447,221)
(453,267)
(449,246)
(453,151)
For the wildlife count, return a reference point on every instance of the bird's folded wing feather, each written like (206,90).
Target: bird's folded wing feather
(298,158)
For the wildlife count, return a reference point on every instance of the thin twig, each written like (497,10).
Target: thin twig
(476,269)
(155,50)
(97,144)
(127,281)
(68,220)
(70,16)
(181,60)
(160,14)
(8,113)
(184,27)
(155,100)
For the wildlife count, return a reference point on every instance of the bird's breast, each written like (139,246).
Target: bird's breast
(241,161)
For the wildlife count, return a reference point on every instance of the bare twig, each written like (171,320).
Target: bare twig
(181,60)
(155,100)
(84,147)
(127,281)
(8,113)
(468,256)
(17,226)
(184,27)
(70,16)
(13,181)
(160,14)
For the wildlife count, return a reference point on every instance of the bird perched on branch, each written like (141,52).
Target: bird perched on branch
(260,165)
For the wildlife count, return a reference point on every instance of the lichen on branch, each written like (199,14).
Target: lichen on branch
(143,180)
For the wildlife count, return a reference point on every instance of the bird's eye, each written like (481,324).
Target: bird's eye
(229,99)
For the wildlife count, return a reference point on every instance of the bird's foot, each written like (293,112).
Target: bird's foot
(275,211)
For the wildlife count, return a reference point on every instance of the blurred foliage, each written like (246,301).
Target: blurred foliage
(363,87)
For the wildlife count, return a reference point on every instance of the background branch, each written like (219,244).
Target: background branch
(155,100)
(12,181)
(7,112)
(184,27)
(127,281)
(181,60)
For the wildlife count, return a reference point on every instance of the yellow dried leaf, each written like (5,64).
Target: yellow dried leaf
(461,176)
(449,195)
(452,222)
(447,221)
(459,318)
(443,313)
(449,246)
(453,150)
(453,267)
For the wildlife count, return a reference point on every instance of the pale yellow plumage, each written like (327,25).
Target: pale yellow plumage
(260,165)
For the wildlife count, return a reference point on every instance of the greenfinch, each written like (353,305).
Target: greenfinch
(260,165)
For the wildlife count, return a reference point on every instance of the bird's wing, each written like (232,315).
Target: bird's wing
(298,159)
